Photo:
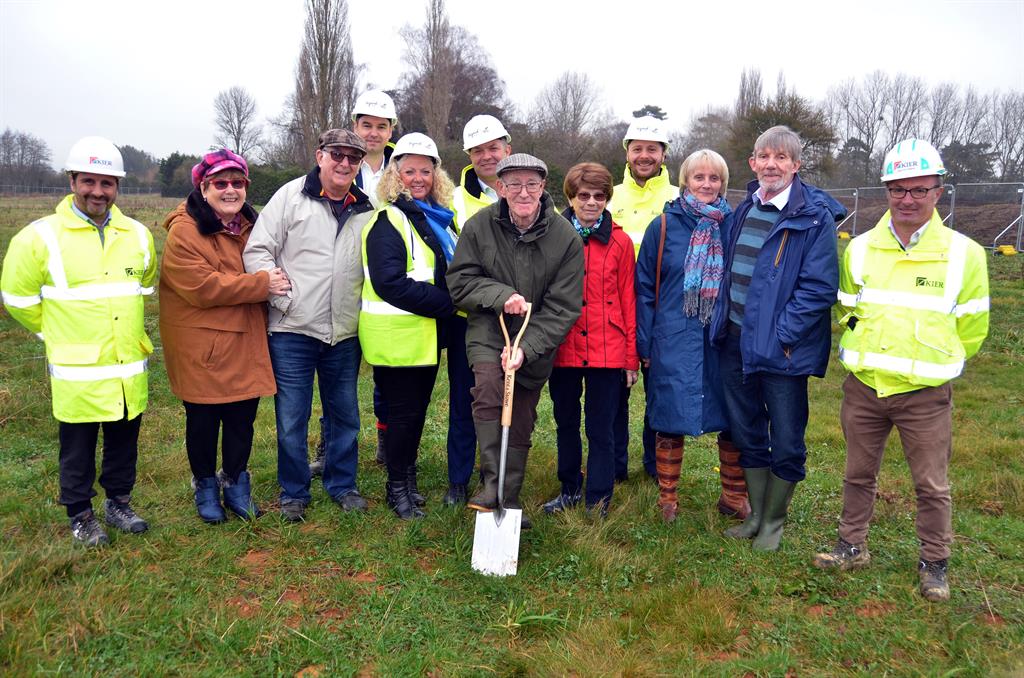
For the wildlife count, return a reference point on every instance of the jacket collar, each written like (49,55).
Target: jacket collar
(603,232)
(206,219)
(312,188)
(931,240)
(72,220)
(654,184)
(470,181)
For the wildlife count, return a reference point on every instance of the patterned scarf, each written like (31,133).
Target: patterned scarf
(703,266)
(585,231)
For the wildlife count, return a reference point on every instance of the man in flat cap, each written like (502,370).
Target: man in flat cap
(312,229)
(516,251)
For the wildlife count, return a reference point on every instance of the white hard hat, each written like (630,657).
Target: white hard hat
(646,128)
(95,155)
(416,143)
(377,103)
(912,158)
(483,128)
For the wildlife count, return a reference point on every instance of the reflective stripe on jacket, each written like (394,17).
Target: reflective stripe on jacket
(920,313)
(634,207)
(468,198)
(390,335)
(85,297)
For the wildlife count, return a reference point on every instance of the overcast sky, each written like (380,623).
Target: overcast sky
(145,72)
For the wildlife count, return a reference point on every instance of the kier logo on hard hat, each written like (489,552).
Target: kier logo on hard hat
(904,165)
(93,160)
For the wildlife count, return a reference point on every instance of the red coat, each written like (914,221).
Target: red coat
(605,334)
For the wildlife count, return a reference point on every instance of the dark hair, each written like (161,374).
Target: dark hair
(589,173)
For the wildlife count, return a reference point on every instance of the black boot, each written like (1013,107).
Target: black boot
(398,499)
(488,435)
(414,491)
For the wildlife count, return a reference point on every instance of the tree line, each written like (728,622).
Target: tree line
(449,77)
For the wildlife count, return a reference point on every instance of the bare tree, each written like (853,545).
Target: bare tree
(1007,129)
(943,106)
(24,159)
(751,92)
(432,55)
(326,83)
(566,113)
(969,127)
(904,105)
(237,127)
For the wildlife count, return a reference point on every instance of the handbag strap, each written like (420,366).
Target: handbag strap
(657,268)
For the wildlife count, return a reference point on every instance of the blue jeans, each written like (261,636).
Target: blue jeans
(296,358)
(767,415)
(461,433)
(600,404)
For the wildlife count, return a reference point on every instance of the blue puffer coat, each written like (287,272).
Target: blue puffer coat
(684,390)
(787,322)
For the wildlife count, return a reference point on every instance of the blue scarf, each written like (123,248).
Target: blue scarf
(703,268)
(585,231)
(440,218)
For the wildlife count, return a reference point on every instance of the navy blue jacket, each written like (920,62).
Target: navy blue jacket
(684,390)
(787,319)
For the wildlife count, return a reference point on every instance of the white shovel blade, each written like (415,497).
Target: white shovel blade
(496,547)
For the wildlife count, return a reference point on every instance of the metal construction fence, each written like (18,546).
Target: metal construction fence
(991,213)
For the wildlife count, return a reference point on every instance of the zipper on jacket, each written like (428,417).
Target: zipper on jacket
(782,246)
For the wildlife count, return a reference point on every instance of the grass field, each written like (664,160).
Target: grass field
(364,595)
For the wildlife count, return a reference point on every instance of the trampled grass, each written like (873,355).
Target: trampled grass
(367,595)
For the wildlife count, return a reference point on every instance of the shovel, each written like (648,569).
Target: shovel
(496,539)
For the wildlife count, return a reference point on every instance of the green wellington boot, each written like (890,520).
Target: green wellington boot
(757,483)
(776,506)
(488,435)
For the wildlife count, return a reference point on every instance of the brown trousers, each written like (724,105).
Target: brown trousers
(487,395)
(925,424)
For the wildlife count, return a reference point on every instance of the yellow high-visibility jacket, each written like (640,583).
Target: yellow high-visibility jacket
(634,207)
(920,313)
(390,336)
(466,202)
(85,298)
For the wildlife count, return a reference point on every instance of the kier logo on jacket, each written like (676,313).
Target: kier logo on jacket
(925,282)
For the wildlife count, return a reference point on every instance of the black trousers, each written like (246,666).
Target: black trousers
(78,461)
(203,425)
(406,393)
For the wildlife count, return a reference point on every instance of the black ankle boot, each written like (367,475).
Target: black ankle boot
(401,503)
(414,491)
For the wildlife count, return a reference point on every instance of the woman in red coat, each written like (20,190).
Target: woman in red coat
(600,350)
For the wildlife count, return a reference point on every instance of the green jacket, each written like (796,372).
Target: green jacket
(493,261)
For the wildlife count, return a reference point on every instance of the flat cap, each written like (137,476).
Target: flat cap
(522,161)
(342,137)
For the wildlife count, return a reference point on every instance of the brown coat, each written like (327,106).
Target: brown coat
(213,318)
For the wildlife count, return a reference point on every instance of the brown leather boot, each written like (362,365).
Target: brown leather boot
(733,500)
(668,456)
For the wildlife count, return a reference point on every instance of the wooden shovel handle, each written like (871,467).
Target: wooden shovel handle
(510,375)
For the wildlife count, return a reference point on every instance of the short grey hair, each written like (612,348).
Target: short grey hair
(780,138)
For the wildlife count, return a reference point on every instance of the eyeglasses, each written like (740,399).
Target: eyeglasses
(222,184)
(918,192)
(337,156)
(516,187)
(585,197)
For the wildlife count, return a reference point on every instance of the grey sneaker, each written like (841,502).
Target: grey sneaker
(86,529)
(844,556)
(293,511)
(119,514)
(352,501)
(934,586)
